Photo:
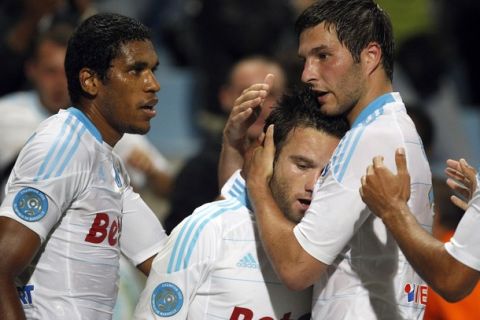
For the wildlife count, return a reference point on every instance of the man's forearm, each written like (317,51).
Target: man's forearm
(231,159)
(10,306)
(280,243)
(160,182)
(428,256)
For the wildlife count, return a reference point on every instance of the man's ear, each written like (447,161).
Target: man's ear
(89,81)
(372,57)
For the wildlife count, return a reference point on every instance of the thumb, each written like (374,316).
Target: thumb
(401,161)
(268,143)
(269,80)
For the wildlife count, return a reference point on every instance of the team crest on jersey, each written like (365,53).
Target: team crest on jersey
(167,299)
(30,204)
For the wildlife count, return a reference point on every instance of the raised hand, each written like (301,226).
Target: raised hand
(244,113)
(461,179)
(384,192)
(259,168)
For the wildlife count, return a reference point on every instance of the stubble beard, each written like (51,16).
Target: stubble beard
(281,198)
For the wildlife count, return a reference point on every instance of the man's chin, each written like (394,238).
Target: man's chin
(138,130)
(295,217)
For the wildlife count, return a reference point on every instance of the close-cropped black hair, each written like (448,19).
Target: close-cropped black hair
(300,109)
(356,22)
(95,43)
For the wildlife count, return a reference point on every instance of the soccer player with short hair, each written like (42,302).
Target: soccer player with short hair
(69,210)
(213,266)
(357,268)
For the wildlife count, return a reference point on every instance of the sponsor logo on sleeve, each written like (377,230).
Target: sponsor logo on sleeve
(30,204)
(25,294)
(416,293)
(167,299)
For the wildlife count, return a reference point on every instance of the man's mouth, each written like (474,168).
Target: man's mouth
(149,107)
(305,203)
(150,104)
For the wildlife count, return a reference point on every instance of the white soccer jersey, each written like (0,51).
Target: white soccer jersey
(69,188)
(369,277)
(465,243)
(214,267)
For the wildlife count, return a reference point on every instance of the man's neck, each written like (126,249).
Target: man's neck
(109,134)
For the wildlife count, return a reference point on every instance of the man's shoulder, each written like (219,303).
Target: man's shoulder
(55,144)
(217,217)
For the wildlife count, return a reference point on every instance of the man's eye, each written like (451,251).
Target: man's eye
(302,166)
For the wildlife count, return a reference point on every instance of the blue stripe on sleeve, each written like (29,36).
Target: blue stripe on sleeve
(202,225)
(356,139)
(72,151)
(62,150)
(52,148)
(187,229)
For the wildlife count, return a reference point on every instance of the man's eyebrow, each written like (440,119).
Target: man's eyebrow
(302,159)
(315,50)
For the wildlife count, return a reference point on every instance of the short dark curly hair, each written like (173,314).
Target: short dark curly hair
(300,109)
(357,23)
(95,43)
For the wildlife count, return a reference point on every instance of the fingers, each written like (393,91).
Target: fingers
(454,164)
(268,141)
(401,161)
(257,87)
(377,161)
(269,80)
(454,174)
(260,138)
(459,188)
(242,116)
(370,170)
(459,202)
(246,101)
(453,170)
(469,171)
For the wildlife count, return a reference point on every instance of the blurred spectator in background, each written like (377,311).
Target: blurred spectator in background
(20,21)
(425,127)
(22,111)
(447,216)
(457,23)
(423,75)
(211,35)
(197,182)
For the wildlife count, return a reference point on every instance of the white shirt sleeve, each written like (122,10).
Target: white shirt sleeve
(465,243)
(35,198)
(142,233)
(337,210)
(178,271)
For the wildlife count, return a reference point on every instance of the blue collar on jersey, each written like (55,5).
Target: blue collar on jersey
(239,192)
(86,122)
(372,107)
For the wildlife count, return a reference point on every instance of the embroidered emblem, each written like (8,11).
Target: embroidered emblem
(167,299)
(30,204)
